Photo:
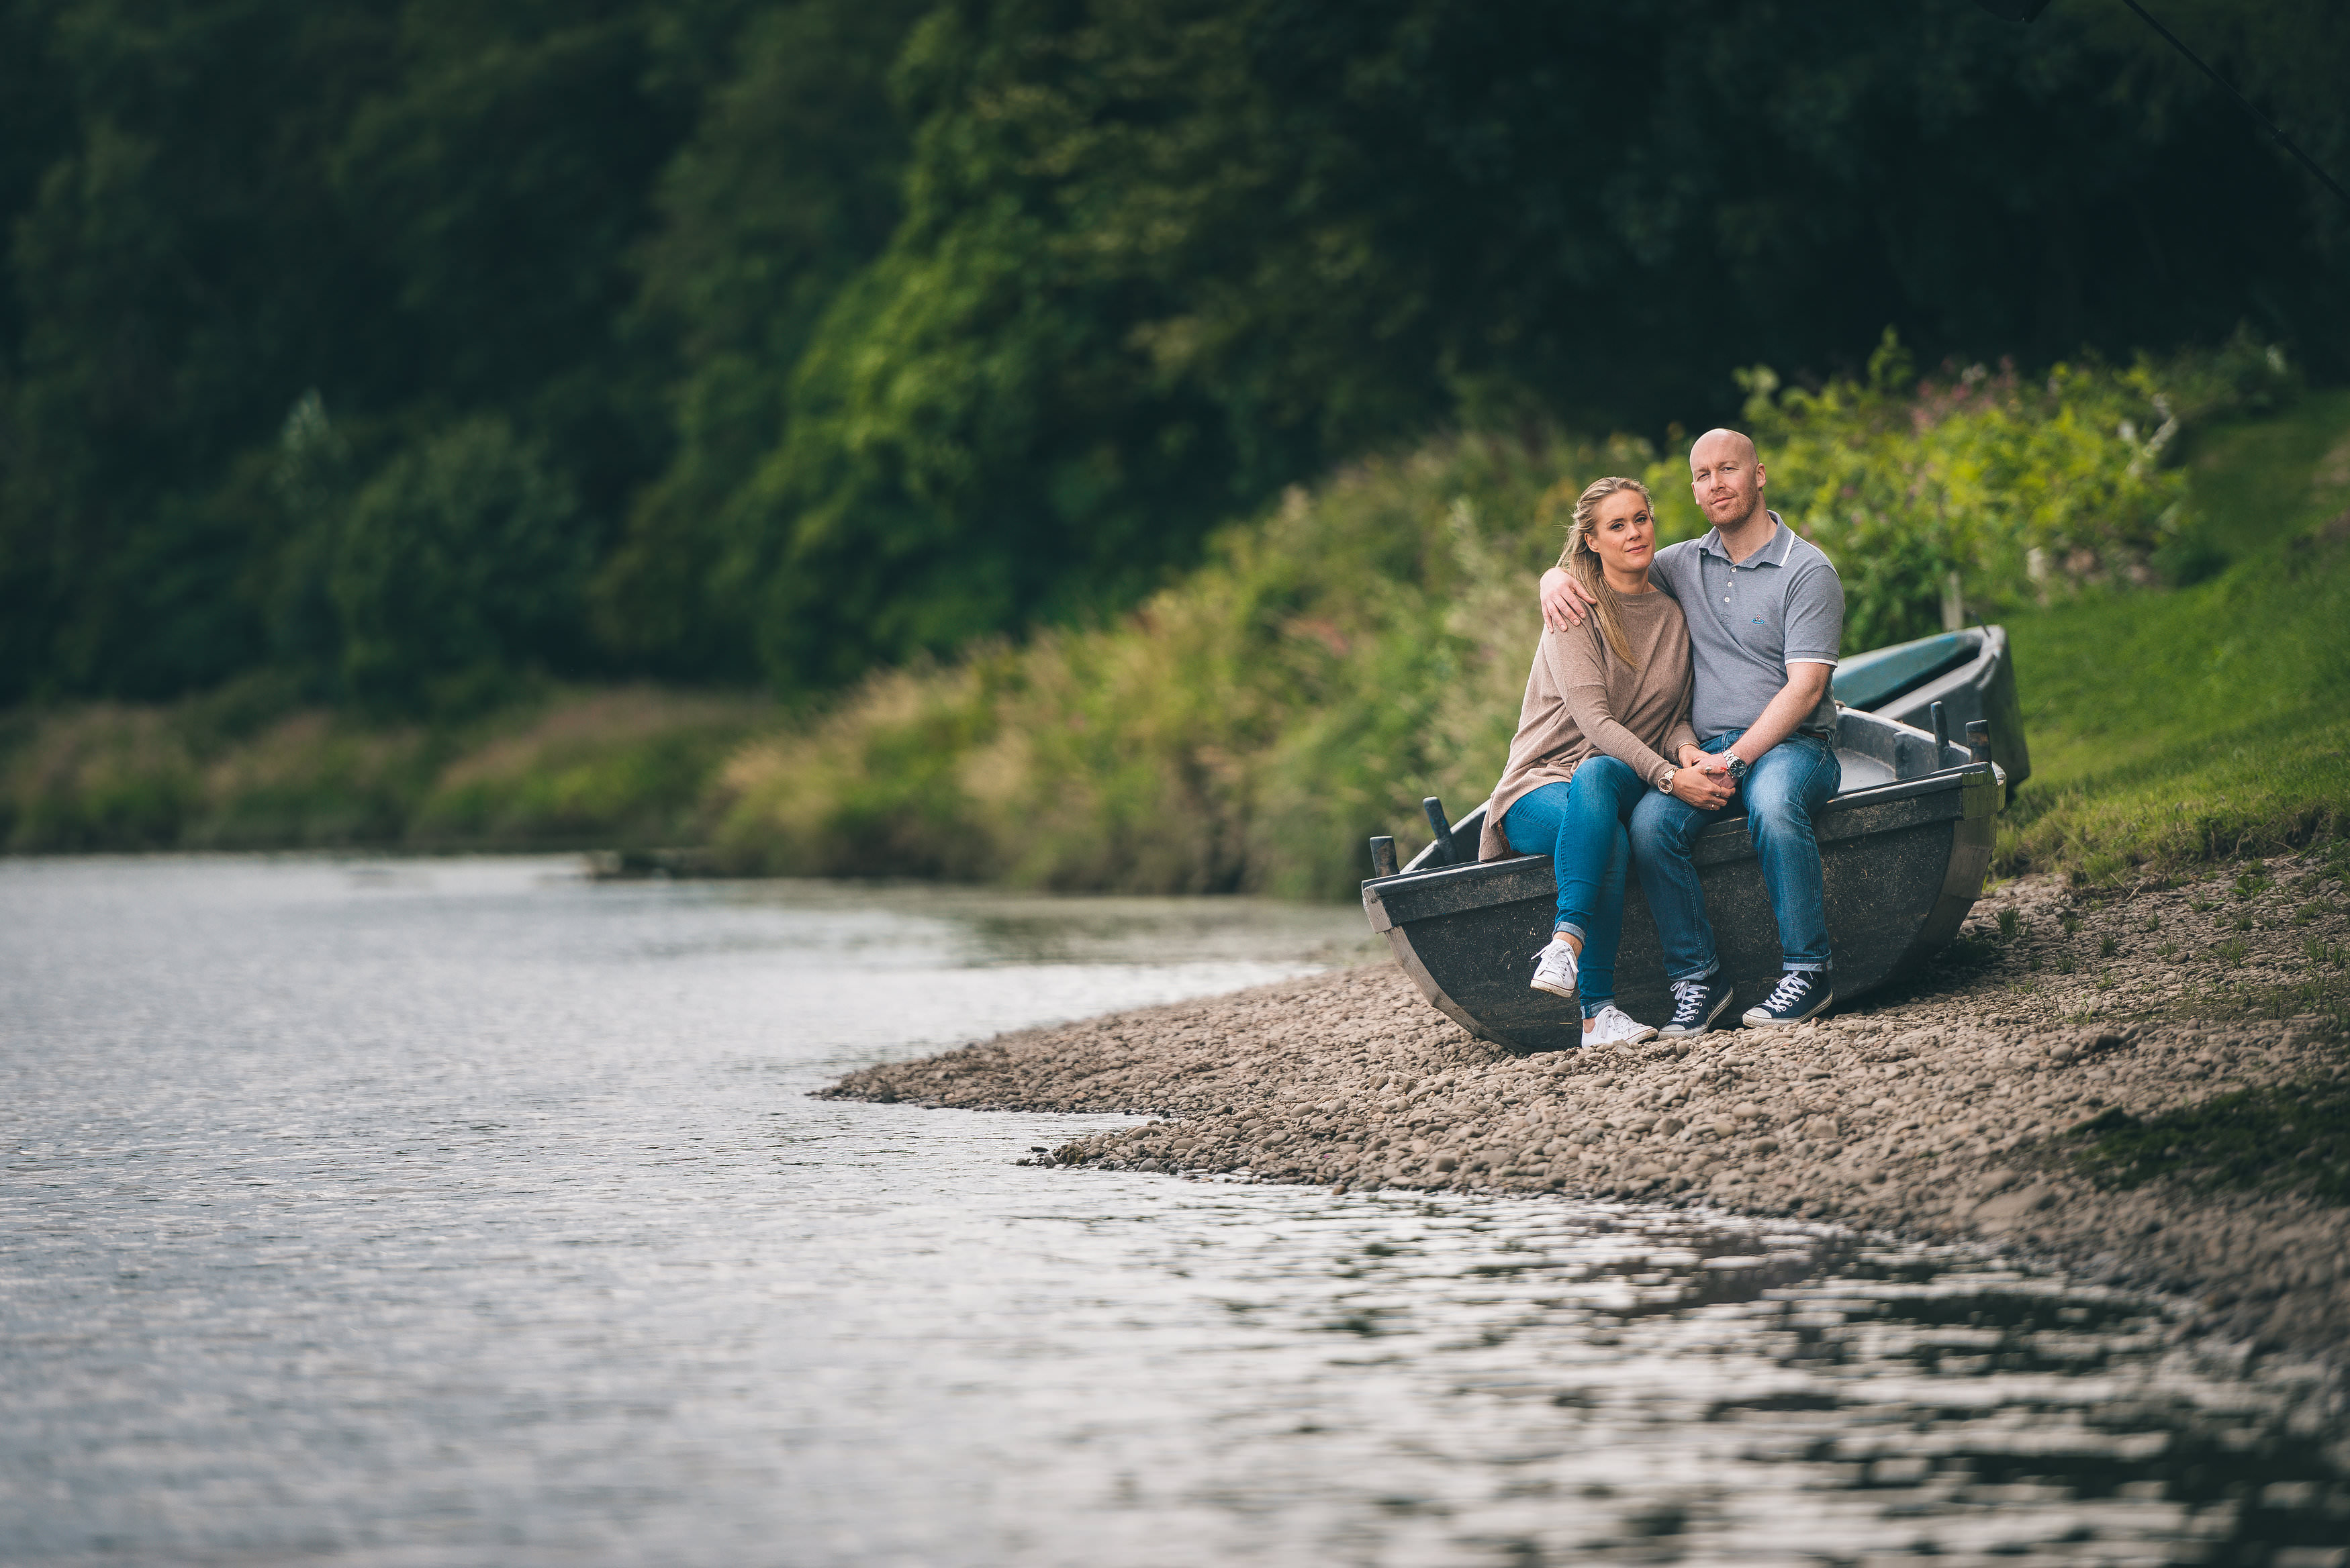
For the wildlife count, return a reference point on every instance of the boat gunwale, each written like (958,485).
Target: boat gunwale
(1973,645)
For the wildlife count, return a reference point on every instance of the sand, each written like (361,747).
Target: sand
(1939,1112)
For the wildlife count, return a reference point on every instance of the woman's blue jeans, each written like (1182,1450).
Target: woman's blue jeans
(1581,825)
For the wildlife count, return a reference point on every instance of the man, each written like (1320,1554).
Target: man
(1765,614)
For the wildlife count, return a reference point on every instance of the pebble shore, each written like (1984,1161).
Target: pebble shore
(1941,1112)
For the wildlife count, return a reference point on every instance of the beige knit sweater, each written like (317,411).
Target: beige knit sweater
(1581,699)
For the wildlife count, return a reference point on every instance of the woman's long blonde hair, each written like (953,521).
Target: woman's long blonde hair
(1582,563)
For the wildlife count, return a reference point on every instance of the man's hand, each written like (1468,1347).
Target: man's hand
(1562,600)
(1707,791)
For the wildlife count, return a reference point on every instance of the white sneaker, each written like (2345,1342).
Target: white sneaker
(1554,971)
(1611,1025)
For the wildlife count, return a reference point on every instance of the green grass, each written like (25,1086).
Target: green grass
(2169,728)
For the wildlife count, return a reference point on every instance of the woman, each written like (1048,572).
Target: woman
(1606,704)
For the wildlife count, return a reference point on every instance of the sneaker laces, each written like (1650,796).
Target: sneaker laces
(1689,1001)
(1790,989)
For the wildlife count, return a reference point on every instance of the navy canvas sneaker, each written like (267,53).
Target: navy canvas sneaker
(1696,1004)
(1800,993)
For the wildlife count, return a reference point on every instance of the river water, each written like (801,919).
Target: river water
(469,1212)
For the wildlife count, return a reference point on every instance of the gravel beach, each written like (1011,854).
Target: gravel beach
(1942,1111)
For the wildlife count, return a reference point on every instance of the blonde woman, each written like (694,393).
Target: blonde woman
(1606,704)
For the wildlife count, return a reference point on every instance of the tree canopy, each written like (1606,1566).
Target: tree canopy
(389,342)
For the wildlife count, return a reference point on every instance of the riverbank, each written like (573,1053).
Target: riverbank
(1957,1110)
(1359,647)
(253,766)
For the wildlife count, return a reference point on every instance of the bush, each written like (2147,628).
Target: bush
(2021,489)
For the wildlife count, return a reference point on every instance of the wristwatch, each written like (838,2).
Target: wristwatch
(1738,768)
(1665,781)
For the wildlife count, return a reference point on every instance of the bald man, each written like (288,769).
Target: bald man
(1765,614)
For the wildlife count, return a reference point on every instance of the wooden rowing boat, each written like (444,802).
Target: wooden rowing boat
(1903,851)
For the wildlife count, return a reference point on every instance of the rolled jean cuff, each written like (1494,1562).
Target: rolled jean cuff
(1590,1005)
(1708,972)
(1824,966)
(1569,928)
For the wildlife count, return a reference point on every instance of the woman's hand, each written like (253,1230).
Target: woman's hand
(1705,790)
(1562,600)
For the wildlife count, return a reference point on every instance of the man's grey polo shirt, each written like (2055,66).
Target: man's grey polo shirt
(1749,619)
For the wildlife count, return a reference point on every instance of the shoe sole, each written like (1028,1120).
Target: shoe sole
(1669,1032)
(1758,1019)
(1537,985)
(1640,1037)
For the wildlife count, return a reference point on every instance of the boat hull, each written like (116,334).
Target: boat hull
(1902,860)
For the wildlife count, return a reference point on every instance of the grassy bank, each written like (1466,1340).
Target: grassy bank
(2170,549)
(247,768)
(2214,721)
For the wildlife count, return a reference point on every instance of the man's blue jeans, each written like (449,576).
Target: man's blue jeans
(1581,827)
(1782,792)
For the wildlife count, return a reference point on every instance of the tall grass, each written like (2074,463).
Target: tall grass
(247,768)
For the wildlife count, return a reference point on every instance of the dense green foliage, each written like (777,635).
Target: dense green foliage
(825,334)
(2003,485)
(1363,642)
(458,562)
(1366,644)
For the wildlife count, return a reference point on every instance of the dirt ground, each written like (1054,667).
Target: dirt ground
(1943,1110)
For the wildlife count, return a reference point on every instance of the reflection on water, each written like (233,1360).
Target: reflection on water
(464,1213)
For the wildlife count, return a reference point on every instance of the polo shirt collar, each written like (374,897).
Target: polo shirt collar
(1773,552)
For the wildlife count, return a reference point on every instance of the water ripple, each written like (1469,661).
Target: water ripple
(464,1213)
